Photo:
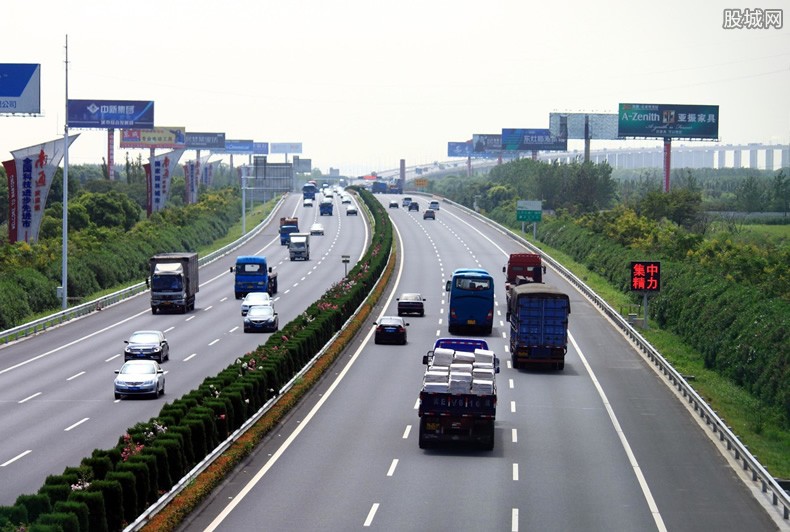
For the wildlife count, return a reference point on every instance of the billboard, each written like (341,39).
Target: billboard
(645,276)
(532,139)
(260,148)
(459,149)
(485,142)
(111,114)
(285,147)
(238,147)
(655,120)
(205,141)
(159,137)
(20,88)
(603,126)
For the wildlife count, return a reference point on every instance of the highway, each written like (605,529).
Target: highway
(56,389)
(603,445)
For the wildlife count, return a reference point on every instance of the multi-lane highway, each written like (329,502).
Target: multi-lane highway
(602,445)
(56,388)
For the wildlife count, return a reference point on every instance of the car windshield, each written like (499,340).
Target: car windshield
(256,298)
(410,297)
(391,321)
(261,311)
(144,338)
(138,369)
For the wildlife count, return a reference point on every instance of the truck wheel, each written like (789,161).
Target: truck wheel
(514,361)
(561,365)
(421,437)
(153,310)
(238,295)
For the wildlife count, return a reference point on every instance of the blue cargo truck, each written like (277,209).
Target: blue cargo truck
(538,316)
(325,207)
(253,275)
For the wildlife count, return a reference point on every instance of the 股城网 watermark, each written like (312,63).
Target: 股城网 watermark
(752,19)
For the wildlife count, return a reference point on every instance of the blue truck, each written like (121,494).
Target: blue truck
(538,315)
(252,274)
(458,397)
(288,226)
(379,187)
(325,207)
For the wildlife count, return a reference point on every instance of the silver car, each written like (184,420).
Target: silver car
(255,298)
(140,377)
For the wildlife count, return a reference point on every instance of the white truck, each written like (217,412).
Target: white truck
(299,246)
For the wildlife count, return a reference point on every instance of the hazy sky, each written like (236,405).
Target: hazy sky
(362,84)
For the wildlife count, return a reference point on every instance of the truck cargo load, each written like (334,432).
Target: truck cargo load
(299,246)
(173,281)
(538,316)
(253,275)
(458,396)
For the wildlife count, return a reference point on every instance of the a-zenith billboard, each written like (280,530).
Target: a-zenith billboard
(20,88)
(655,120)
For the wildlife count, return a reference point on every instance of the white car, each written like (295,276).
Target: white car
(316,229)
(345,198)
(139,377)
(255,298)
(351,210)
(307,202)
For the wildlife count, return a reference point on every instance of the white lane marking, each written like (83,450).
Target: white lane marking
(116,355)
(192,317)
(417,403)
(81,373)
(514,435)
(513,406)
(208,308)
(406,432)
(510,383)
(77,424)
(234,329)
(190,357)
(223,299)
(26,399)
(17,457)
(393,465)
(213,342)
(168,329)
(515,472)
(371,514)
(514,520)
(651,503)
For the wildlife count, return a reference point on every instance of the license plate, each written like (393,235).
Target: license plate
(432,426)
(471,322)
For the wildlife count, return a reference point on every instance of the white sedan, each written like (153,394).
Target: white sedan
(316,229)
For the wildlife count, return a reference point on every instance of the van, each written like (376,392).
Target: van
(406,201)
(434,205)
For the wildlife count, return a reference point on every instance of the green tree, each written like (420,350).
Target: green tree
(751,194)
(780,190)
(111,209)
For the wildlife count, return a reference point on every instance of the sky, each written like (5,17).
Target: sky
(364,83)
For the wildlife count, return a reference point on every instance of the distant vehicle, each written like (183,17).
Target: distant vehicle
(379,187)
(411,303)
(140,377)
(173,281)
(307,202)
(351,210)
(261,318)
(406,201)
(316,229)
(151,345)
(309,190)
(390,330)
(326,207)
(345,198)
(255,298)
(414,206)
(299,246)
(434,205)
(288,226)
(393,204)
(429,215)
(471,304)
(523,268)
(253,275)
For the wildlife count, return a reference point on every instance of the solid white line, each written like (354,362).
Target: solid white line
(17,457)
(371,514)
(26,399)
(75,376)
(515,472)
(193,355)
(514,520)
(406,432)
(213,342)
(514,435)
(651,503)
(392,467)
(77,424)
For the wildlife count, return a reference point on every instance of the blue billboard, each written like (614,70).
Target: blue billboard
(532,140)
(20,88)
(111,114)
(238,147)
(459,149)
(260,148)
(205,141)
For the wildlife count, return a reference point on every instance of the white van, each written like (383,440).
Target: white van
(434,205)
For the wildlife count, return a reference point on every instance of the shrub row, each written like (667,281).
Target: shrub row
(112,487)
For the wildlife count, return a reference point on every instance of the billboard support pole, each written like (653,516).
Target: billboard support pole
(667,161)
(110,152)
(534,155)
(586,138)
(64,304)
(469,166)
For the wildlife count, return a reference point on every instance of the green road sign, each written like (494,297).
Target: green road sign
(528,216)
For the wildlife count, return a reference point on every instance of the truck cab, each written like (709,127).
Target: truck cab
(299,246)
(325,207)
(253,275)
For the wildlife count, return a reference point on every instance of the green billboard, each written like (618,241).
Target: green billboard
(656,120)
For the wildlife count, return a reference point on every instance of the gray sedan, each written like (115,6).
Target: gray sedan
(140,377)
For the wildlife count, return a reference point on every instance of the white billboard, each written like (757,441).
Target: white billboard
(285,147)
(603,126)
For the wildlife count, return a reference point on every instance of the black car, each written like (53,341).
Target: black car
(429,215)
(261,318)
(414,206)
(390,330)
(150,345)
(411,303)
(393,204)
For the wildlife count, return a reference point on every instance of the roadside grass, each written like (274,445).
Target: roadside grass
(758,426)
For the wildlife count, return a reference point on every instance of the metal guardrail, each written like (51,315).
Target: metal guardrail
(767,483)
(42,324)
